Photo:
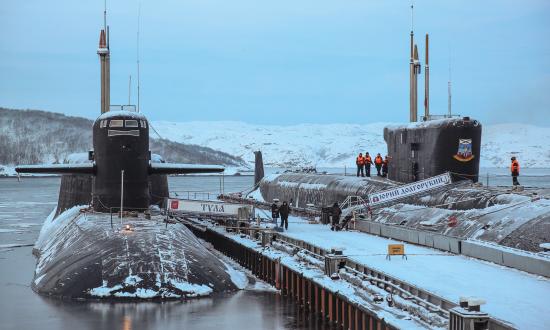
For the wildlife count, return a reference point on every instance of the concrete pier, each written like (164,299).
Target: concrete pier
(437,289)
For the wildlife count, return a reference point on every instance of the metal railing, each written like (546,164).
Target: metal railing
(120,215)
(196,194)
(420,295)
(122,107)
(487,179)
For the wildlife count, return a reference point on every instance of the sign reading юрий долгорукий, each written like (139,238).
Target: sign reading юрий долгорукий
(410,189)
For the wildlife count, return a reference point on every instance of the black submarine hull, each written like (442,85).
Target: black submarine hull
(496,216)
(81,256)
(421,150)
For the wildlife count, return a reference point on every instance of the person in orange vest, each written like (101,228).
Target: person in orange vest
(368,163)
(360,161)
(385,166)
(514,168)
(378,163)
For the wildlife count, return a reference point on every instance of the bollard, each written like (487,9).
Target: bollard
(468,316)
(334,261)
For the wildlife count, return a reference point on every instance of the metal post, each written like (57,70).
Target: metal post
(121,192)
(487,179)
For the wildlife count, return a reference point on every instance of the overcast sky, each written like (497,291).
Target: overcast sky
(279,62)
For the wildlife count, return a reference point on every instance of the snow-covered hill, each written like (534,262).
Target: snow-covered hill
(336,145)
(33,136)
(38,136)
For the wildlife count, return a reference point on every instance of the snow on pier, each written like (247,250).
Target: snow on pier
(511,295)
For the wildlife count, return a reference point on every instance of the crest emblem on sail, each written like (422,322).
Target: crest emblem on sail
(464,153)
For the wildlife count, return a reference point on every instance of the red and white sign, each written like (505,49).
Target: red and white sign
(207,207)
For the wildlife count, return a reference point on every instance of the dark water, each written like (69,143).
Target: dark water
(24,206)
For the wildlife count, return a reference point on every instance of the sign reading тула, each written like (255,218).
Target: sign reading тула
(204,206)
(410,189)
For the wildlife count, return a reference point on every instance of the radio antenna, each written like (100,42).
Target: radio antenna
(105,15)
(449,87)
(137,56)
(412,16)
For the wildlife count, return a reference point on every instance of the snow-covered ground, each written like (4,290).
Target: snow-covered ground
(7,171)
(336,145)
(511,295)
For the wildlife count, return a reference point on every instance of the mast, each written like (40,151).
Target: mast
(427,83)
(415,68)
(449,98)
(104,60)
(449,89)
(411,73)
(137,56)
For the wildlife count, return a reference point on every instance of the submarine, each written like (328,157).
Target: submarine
(420,150)
(107,238)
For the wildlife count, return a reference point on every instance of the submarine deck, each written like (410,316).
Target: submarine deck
(511,295)
(83,254)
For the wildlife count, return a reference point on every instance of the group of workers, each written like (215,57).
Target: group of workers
(364,163)
(283,211)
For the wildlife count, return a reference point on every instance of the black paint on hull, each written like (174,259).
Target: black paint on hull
(422,150)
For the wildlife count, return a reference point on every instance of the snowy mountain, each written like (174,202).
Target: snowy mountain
(38,136)
(32,136)
(336,145)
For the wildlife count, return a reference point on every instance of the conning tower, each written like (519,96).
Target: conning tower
(438,144)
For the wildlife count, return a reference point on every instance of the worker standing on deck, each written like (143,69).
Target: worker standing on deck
(275,211)
(514,168)
(360,162)
(336,212)
(368,163)
(385,166)
(378,163)
(284,210)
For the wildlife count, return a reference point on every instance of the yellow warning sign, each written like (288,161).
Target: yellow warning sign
(396,249)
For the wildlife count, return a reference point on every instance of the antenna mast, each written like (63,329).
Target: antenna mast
(105,15)
(449,88)
(427,83)
(130,90)
(414,71)
(104,59)
(137,56)
(449,92)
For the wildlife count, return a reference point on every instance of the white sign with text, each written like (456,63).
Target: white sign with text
(410,189)
(204,206)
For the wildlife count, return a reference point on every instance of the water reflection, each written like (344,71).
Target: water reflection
(126,323)
(240,310)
